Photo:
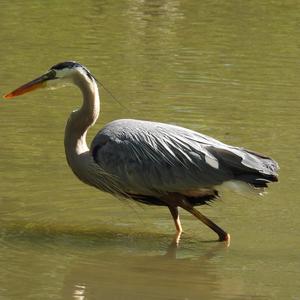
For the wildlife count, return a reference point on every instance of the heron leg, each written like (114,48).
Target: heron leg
(175,214)
(174,200)
(223,236)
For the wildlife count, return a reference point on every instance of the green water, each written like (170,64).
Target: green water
(229,69)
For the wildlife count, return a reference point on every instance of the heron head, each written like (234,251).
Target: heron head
(59,75)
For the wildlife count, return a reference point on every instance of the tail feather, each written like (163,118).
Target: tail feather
(271,166)
(251,167)
(264,175)
(257,180)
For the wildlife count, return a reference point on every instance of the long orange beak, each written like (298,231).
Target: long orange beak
(37,83)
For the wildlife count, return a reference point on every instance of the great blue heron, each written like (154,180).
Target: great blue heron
(153,163)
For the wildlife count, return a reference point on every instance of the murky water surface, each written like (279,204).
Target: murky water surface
(229,69)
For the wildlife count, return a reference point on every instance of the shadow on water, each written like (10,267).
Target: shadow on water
(106,237)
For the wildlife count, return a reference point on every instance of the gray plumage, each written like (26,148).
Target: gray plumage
(151,158)
(150,162)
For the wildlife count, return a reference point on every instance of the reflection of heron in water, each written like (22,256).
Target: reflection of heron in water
(153,163)
(196,271)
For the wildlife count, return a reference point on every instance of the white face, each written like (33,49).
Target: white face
(64,77)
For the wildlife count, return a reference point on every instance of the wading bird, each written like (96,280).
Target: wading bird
(149,162)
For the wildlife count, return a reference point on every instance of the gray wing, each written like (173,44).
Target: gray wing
(150,158)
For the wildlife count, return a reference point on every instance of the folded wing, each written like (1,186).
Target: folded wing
(150,158)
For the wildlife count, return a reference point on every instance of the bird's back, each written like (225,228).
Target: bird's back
(150,158)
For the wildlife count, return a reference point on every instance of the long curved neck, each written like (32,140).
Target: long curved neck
(81,120)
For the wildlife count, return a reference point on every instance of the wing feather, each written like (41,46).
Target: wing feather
(150,158)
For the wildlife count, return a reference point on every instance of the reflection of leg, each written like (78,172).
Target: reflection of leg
(175,215)
(223,236)
(172,249)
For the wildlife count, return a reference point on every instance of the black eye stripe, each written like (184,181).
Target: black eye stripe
(64,65)
(71,65)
